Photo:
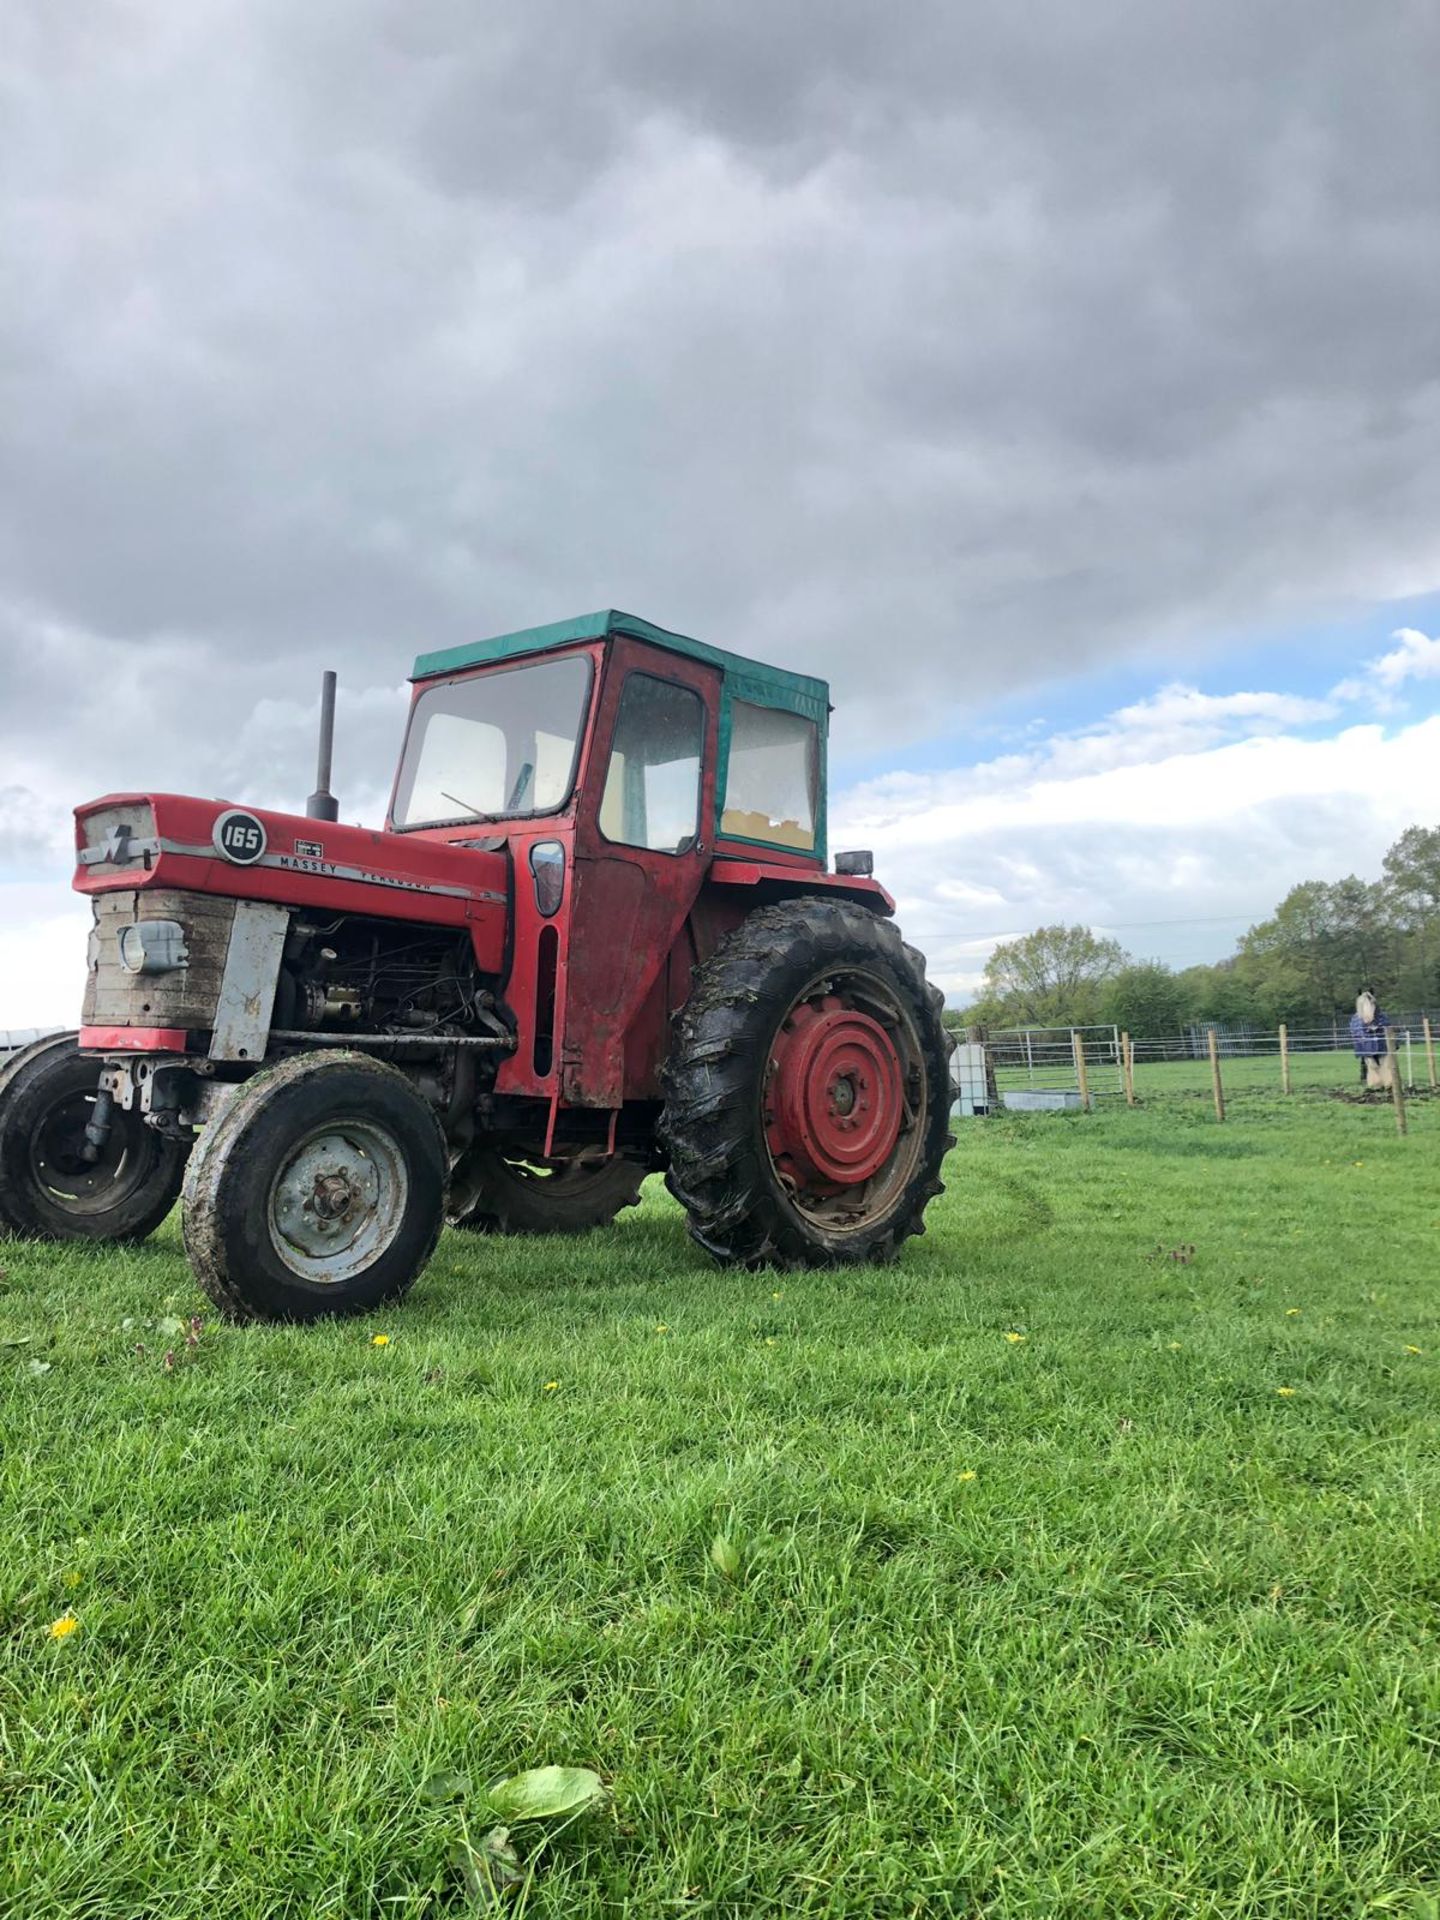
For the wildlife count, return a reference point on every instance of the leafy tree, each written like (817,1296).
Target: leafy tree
(1325,940)
(1302,965)
(1412,888)
(1052,977)
(1412,875)
(1145,999)
(1220,993)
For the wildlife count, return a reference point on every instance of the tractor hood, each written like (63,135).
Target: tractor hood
(135,840)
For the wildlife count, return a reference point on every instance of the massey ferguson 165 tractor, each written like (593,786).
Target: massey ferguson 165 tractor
(597,937)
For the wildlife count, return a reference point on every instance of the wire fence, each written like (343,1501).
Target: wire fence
(1069,1067)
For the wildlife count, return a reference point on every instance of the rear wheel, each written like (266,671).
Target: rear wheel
(808,1090)
(319,1190)
(493,1192)
(49,1188)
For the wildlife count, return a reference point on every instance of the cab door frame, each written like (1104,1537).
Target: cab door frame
(628,904)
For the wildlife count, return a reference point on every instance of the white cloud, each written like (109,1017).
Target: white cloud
(1176,841)
(1181,708)
(1415,657)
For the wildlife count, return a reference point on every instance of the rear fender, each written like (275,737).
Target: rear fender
(732,889)
(767,882)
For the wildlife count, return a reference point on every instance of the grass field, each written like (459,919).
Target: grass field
(1075,1578)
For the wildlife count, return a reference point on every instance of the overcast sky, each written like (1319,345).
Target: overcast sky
(1062,381)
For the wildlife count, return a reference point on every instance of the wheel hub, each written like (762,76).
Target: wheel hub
(331,1196)
(835,1095)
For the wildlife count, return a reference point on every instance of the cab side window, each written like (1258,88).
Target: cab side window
(652,786)
(772,777)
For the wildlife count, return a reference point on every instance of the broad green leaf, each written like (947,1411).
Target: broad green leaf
(726,1557)
(169,1327)
(441,1787)
(37,1367)
(16,1340)
(545,1793)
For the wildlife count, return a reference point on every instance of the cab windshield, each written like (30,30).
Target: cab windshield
(498,746)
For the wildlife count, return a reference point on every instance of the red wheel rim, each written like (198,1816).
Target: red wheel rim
(835,1096)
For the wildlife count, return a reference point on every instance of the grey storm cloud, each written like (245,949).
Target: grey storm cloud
(939,349)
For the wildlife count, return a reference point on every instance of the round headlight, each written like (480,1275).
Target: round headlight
(153,946)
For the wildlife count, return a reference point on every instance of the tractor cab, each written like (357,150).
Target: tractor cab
(624,768)
(696,747)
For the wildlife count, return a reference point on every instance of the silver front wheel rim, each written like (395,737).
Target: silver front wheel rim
(338,1202)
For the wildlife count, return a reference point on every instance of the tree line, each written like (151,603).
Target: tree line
(1302,966)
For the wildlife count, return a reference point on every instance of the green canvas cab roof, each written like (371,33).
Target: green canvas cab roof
(744,679)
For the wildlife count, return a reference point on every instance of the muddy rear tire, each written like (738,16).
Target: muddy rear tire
(320,1190)
(48,1190)
(808,1090)
(491,1193)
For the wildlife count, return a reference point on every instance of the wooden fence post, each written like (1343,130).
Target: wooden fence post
(1215,1076)
(1082,1078)
(1284,1058)
(1396,1090)
(1430,1051)
(1127,1063)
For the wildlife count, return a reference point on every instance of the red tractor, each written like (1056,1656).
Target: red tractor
(597,937)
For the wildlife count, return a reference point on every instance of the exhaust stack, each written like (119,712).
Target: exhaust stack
(322,804)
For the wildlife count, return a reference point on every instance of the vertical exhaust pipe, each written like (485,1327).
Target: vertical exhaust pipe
(322,804)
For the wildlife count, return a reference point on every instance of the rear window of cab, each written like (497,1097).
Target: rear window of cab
(771,777)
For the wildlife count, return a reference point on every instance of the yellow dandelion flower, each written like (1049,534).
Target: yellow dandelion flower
(1285,1393)
(379,1339)
(661,1327)
(1016,1338)
(769,1343)
(1174,1346)
(1290,1312)
(968,1474)
(777,1296)
(552,1386)
(1412,1349)
(62,1628)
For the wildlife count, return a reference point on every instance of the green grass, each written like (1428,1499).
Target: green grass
(1169,1651)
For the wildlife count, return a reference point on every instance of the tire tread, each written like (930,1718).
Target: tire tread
(718,1168)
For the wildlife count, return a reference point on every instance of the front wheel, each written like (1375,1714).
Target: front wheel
(54,1185)
(808,1090)
(319,1190)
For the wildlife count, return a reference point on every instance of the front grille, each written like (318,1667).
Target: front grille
(115,997)
(118,838)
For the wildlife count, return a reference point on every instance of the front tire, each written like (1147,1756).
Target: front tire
(320,1190)
(808,1090)
(493,1193)
(48,1189)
